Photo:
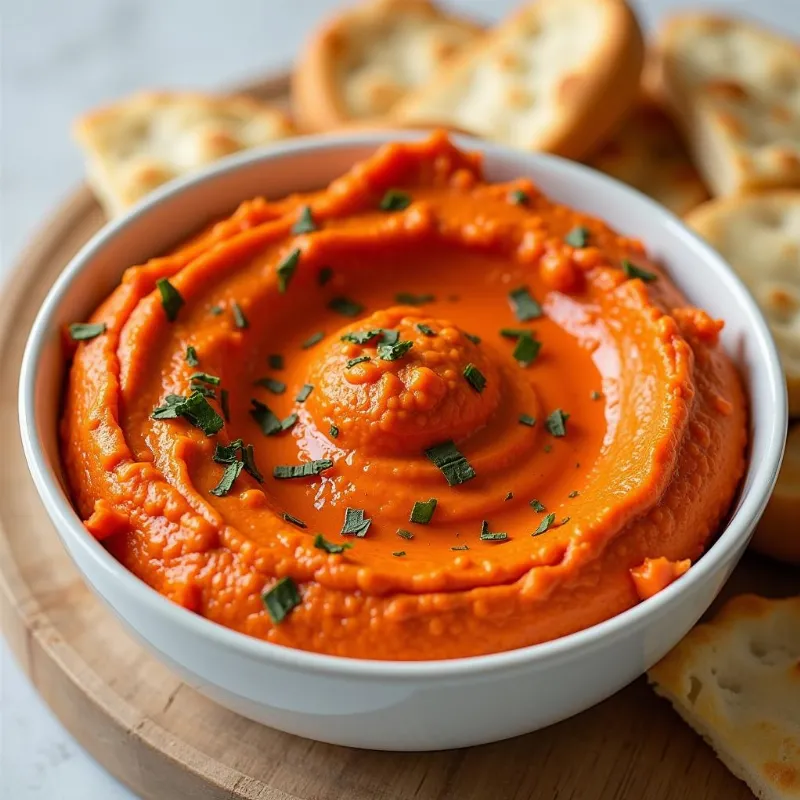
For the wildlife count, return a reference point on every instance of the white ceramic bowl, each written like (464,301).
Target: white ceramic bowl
(399,705)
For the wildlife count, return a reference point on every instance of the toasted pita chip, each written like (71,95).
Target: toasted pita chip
(361,62)
(139,143)
(557,75)
(648,153)
(735,89)
(759,236)
(736,681)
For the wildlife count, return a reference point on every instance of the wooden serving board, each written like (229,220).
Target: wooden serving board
(167,742)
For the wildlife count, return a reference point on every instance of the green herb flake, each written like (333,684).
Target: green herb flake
(225,404)
(281,598)
(545,524)
(556,423)
(424,329)
(305,222)
(84,331)
(275,361)
(286,269)
(509,496)
(271,384)
(595,395)
(500,536)
(239,319)
(404,534)
(307,470)
(321,543)
(249,461)
(315,338)
(288,422)
(215,311)
(227,453)
(395,200)
(514,333)
(345,306)
(354,523)
(453,464)
(523,305)
(578,237)
(526,350)
(231,473)
(202,389)
(475,378)
(171,298)
(324,275)
(334,431)
(393,352)
(204,377)
(195,409)
(305,391)
(460,547)
(573,494)
(265,418)
(399,553)
(474,339)
(518,198)
(362,337)
(527,419)
(191,357)
(410,299)
(389,336)
(287,517)
(537,506)
(357,360)
(422,512)
(632,271)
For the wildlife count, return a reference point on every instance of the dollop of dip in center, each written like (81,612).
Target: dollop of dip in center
(414,415)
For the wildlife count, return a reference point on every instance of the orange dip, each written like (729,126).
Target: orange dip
(619,484)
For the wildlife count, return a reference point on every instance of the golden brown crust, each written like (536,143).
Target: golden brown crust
(142,141)
(556,75)
(359,63)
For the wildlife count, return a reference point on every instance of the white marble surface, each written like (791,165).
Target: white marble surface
(60,57)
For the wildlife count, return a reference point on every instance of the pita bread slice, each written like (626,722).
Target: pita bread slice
(362,61)
(735,89)
(139,143)
(556,75)
(648,153)
(736,681)
(759,236)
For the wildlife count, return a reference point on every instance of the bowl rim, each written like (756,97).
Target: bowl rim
(73,534)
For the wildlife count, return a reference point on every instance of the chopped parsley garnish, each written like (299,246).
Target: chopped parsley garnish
(358,360)
(399,553)
(475,378)
(227,453)
(523,305)
(345,306)
(488,536)
(315,338)
(573,494)
(305,391)
(281,599)
(474,339)
(307,470)
(577,237)
(354,523)
(426,330)
(191,357)
(393,352)
(231,473)
(395,200)
(422,512)
(595,395)
(285,270)
(275,361)
(460,547)
(171,298)
(526,350)
(239,319)
(404,534)
(287,517)
(410,299)
(225,404)
(215,311)
(305,222)
(389,336)
(537,506)
(556,423)
(362,337)
(454,466)
(324,275)
(518,198)
(265,418)
(83,331)
(632,271)
(249,461)
(514,333)
(202,389)
(334,432)
(195,409)
(272,384)
(204,377)
(527,419)
(545,524)
(321,543)
(288,422)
